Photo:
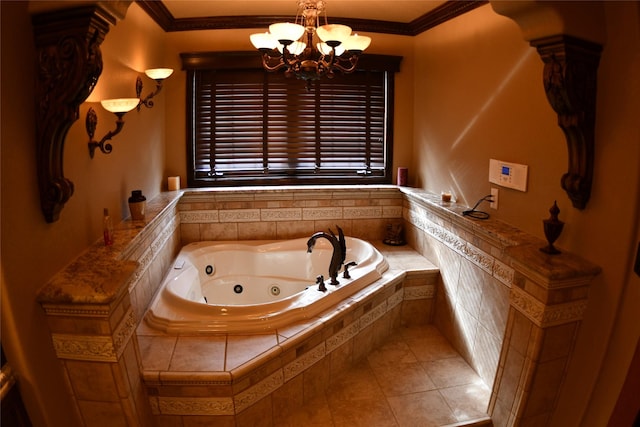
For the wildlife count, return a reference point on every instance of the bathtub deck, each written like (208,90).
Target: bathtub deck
(355,366)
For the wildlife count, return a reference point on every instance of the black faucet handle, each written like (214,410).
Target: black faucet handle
(346,274)
(320,283)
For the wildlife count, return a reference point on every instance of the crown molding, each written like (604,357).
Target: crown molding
(447,11)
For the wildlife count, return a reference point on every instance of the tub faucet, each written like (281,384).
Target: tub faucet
(346,274)
(339,251)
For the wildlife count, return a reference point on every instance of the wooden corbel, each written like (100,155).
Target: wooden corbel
(570,81)
(69,63)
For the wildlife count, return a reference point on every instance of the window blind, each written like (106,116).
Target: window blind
(251,126)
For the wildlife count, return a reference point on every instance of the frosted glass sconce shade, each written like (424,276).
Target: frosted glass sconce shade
(157,74)
(119,107)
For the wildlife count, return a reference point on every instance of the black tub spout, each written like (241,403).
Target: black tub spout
(339,251)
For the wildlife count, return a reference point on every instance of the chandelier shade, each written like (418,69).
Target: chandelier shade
(333,33)
(264,41)
(286,32)
(356,43)
(307,50)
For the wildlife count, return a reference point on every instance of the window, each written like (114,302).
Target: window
(248,126)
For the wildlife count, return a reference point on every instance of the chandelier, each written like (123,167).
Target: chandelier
(291,45)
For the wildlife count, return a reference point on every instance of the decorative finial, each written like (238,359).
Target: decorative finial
(552,229)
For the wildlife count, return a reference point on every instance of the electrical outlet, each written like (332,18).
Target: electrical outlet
(494,197)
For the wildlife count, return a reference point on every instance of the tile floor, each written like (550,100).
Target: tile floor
(415,379)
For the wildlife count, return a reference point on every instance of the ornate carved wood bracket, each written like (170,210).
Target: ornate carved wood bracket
(570,80)
(69,63)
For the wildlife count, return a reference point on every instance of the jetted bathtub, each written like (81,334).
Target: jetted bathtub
(253,286)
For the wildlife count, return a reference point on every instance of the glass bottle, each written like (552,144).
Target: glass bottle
(107,229)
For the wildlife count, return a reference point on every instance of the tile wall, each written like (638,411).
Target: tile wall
(288,213)
(504,304)
(510,310)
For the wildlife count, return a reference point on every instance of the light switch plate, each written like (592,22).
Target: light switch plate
(510,175)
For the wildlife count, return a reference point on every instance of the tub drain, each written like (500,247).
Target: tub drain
(237,289)
(209,270)
(275,290)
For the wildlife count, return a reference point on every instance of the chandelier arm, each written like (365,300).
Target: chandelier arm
(325,66)
(267,63)
(288,60)
(352,61)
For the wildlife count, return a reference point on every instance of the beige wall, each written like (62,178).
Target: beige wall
(479,95)
(32,250)
(468,90)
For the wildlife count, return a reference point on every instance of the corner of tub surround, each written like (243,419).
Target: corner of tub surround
(101,274)
(546,300)
(95,277)
(449,216)
(514,247)
(553,271)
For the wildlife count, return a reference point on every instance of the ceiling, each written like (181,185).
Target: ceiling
(403,11)
(406,17)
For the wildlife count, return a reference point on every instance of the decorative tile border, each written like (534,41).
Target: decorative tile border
(85,310)
(261,390)
(365,212)
(322,213)
(395,299)
(543,315)
(152,251)
(99,348)
(292,214)
(240,215)
(420,218)
(372,315)
(304,362)
(342,337)
(503,272)
(192,405)
(124,331)
(390,212)
(199,216)
(419,292)
(478,257)
(84,347)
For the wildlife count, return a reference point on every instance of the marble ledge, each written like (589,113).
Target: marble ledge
(289,192)
(552,271)
(100,274)
(451,212)
(522,250)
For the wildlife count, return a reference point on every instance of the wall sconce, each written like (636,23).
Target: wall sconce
(119,107)
(157,74)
